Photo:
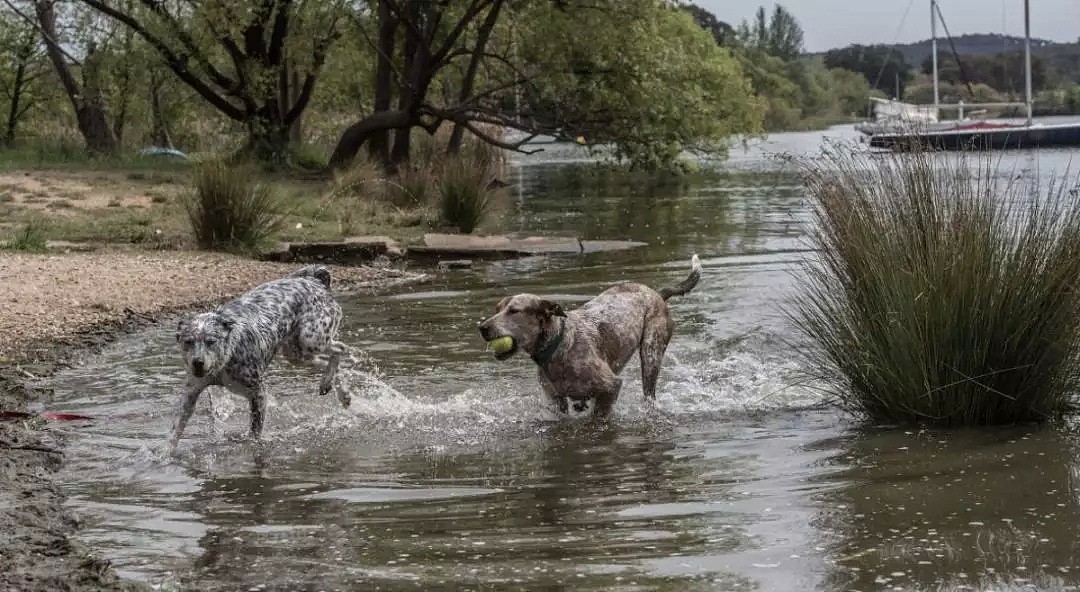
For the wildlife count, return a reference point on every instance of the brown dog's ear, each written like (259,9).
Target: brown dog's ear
(502,304)
(551,309)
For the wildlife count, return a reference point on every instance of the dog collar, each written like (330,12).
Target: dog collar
(548,351)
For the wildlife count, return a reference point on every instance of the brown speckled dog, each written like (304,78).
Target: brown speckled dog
(581,353)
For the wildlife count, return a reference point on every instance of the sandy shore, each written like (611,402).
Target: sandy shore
(49,298)
(54,307)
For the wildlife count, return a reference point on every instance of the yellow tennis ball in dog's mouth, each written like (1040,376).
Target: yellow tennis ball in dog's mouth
(501,345)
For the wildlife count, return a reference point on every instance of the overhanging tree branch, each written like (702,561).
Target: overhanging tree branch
(176,62)
(44,35)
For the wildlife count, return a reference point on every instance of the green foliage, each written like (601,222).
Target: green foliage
(795,92)
(923,92)
(643,78)
(780,35)
(24,75)
(722,33)
(940,294)
(881,66)
(1072,98)
(1003,72)
(466,195)
(229,210)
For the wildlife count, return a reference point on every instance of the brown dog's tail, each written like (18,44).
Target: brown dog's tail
(319,272)
(687,284)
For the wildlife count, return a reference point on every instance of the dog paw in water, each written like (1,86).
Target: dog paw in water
(576,408)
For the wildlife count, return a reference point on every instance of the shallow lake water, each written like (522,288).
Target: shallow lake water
(444,475)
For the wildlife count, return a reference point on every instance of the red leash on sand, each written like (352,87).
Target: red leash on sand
(47,415)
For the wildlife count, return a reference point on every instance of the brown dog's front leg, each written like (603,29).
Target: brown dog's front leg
(606,397)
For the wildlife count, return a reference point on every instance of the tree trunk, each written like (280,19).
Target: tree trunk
(268,138)
(467,84)
(16,97)
(379,142)
(159,133)
(92,113)
(124,92)
(409,92)
(296,128)
(89,106)
(356,135)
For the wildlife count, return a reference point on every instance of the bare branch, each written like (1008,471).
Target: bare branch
(158,8)
(177,63)
(463,119)
(37,27)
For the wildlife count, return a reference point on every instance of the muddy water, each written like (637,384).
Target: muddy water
(445,475)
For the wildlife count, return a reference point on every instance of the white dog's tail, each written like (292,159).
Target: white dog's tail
(319,272)
(687,284)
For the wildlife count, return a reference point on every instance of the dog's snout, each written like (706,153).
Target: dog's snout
(198,367)
(485,331)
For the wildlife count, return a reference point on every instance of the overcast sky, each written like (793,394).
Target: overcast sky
(835,23)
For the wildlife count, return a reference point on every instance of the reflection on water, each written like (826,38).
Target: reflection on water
(443,474)
(976,509)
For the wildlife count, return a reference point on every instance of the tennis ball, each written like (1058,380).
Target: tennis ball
(501,345)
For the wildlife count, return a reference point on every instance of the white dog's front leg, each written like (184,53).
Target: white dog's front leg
(190,395)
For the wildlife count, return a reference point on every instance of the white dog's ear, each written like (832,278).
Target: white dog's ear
(226,323)
(551,309)
(180,328)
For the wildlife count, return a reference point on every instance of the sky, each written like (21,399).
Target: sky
(836,23)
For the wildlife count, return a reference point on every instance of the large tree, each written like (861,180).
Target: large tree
(23,72)
(636,75)
(82,80)
(255,61)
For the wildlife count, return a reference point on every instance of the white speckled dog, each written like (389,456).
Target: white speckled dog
(233,345)
(580,354)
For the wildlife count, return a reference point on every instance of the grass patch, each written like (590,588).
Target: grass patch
(466,194)
(30,237)
(364,200)
(943,292)
(229,210)
(72,156)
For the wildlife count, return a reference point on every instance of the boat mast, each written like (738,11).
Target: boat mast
(1027,58)
(933,53)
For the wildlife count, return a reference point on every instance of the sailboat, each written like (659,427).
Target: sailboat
(916,134)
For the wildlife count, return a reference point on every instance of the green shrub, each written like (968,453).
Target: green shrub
(466,194)
(229,210)
(940,293)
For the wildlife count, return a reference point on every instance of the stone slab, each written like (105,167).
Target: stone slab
(455,264)
(355,250)
(440,246)
(602,246)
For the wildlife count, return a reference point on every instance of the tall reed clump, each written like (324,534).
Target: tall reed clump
(467,192)
(229,210)
(942,292)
